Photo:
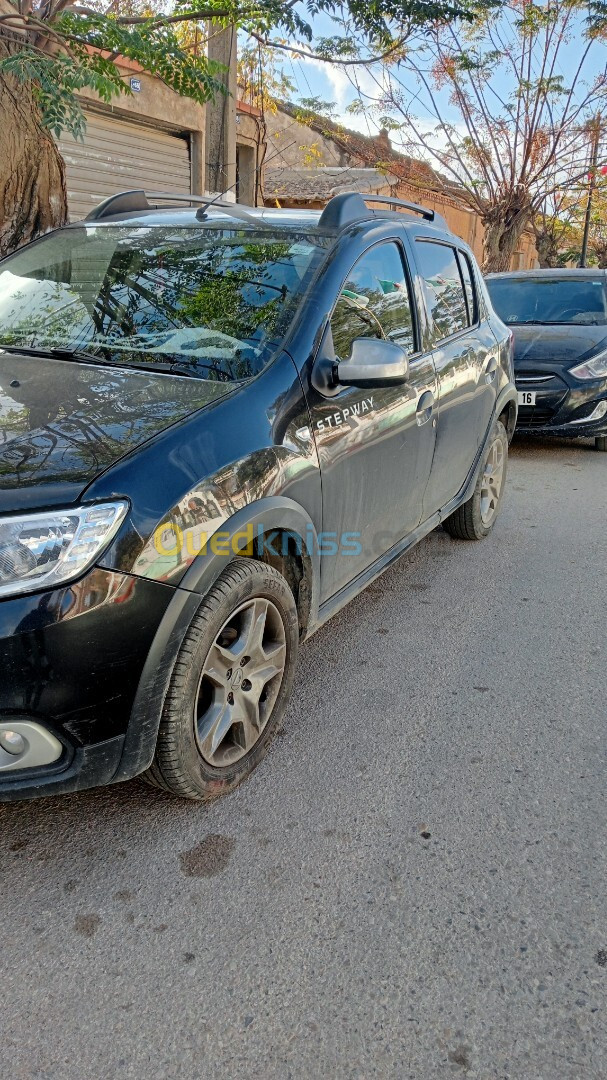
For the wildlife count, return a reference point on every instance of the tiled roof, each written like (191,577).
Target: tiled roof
(322,182)
(373,151)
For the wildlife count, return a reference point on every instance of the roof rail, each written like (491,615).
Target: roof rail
(130,202)
(351,206)
(423,211)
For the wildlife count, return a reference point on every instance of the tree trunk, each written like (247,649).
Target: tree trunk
(547,247)
(503,230)
(599,250)
(33,196)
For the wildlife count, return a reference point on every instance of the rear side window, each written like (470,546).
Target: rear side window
(374,302)
(443,287)
(469,287)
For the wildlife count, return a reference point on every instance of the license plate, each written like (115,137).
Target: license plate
(526,397)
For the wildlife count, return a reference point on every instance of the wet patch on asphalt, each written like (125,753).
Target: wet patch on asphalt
(208,858)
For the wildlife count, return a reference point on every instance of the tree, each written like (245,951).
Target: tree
(556,230)
(504,127)
(50,50)
(558,224)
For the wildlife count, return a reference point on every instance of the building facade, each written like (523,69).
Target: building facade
(157,140)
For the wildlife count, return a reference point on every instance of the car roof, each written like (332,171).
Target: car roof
(344,210)
(187,217)
(541,272)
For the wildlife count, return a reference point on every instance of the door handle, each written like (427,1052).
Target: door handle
(425,408)
(490,369)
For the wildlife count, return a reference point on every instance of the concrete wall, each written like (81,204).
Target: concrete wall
(292,143)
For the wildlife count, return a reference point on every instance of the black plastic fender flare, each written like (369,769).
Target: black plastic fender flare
(273,512)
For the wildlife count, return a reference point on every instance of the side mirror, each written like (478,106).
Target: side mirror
(374,362)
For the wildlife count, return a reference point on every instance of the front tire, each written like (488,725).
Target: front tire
(230,684)
(475,518)
(600,443)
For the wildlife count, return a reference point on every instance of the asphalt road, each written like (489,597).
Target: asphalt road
(412,884)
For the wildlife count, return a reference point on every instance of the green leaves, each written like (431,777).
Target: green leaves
(56,81)
(61,50)
(152,44)
(317,106)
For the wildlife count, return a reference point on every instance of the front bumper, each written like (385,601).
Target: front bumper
(569,430)
(564,406)
(71,660)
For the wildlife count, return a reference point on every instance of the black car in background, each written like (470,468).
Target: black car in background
(559,320)
(217,426)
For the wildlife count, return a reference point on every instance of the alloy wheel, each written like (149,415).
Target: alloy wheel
(491,484)
(240,682)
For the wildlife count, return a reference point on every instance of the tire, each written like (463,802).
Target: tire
(475,519)
(206,745)
(600,443)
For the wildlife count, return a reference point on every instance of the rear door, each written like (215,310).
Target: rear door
(466,361)
(375,445)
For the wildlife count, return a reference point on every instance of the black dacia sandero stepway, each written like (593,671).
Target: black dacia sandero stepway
(218,425)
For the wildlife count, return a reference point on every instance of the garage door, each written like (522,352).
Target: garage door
(117,155)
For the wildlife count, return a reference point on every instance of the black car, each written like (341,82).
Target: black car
(217,426)
(559,320)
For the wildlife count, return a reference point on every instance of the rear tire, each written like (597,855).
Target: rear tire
(475,519)
(600,443)
(230,684)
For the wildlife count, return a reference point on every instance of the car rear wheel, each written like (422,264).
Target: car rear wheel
(230,684)
(475,519)
(600,443)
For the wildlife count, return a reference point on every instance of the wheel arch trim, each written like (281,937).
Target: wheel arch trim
(271,513)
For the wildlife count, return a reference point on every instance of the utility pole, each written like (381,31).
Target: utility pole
(594,157)
(221,114)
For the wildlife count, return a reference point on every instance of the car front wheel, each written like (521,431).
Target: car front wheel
(600,443)
(230,684)
(475,518)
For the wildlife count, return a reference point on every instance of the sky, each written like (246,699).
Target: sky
(333,83)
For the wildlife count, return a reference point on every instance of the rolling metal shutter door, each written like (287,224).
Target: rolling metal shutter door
(117,155)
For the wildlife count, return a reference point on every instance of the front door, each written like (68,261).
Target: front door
(375,444)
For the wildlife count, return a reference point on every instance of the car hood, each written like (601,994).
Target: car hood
(63,423)
(557,345)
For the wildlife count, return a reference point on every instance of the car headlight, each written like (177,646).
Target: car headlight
(38,551)
(595,368)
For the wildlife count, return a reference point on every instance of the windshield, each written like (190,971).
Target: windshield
(566,300)
(215,301)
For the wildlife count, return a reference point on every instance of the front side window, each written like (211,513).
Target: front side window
(213,302)
(374,302)
(443,287)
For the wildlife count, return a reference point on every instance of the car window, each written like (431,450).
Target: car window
(469,287)
(375,302)
(549,300)
(443,287)
(215,301)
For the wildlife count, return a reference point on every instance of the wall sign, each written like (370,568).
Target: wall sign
(136,86)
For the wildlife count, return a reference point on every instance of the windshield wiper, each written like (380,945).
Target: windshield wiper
(82,357)
(162,369)
(54,353)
